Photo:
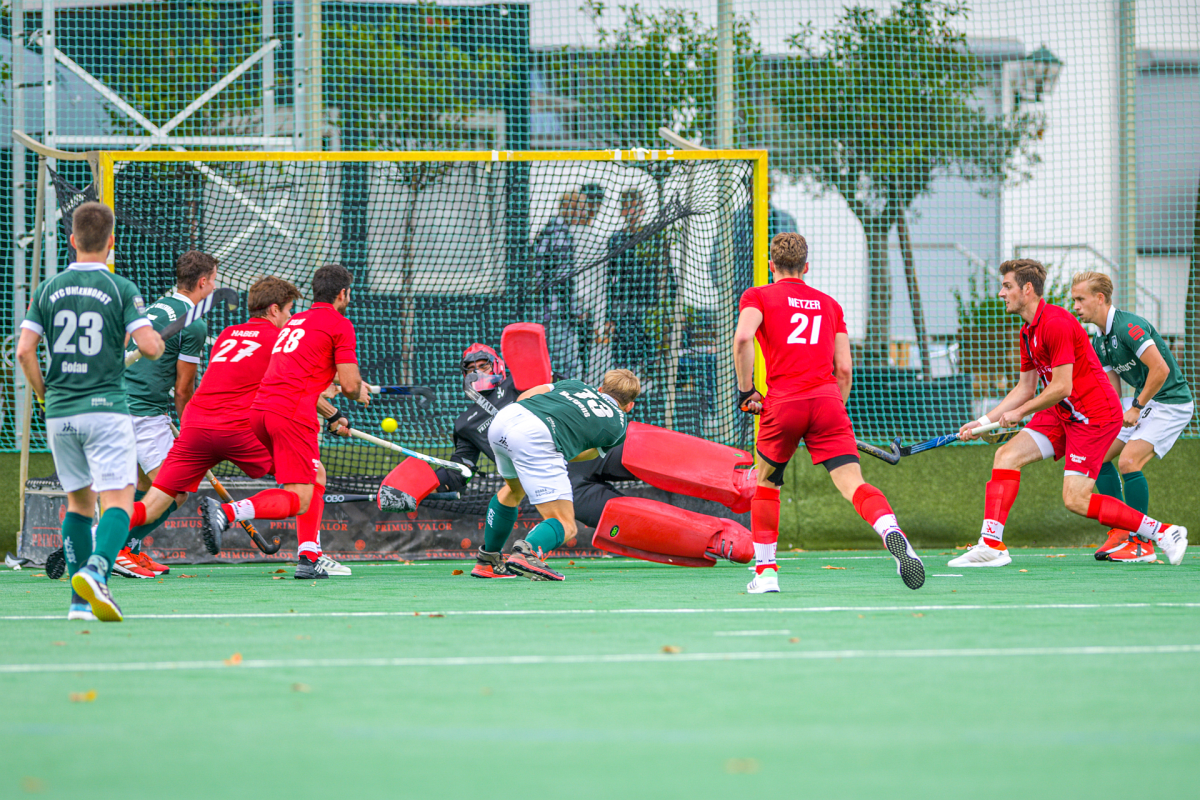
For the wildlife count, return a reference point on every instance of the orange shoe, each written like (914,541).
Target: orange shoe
(144,560)
(490,565)
(1135,551)
(1117,539)
(127,566)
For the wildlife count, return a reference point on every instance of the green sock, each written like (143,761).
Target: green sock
(1137,491)
(500,522)
(546,536)
(77,540)
(134,542)
(110,538)
(1109,482)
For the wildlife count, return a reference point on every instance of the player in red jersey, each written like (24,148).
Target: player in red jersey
(313,348)
(802,335)
(1076,415)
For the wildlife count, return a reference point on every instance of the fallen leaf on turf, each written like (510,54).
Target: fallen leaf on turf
(456,572)
(233,660)
(918,615)
(84,632)
(1093,544)
(437,615)
(58,644)
(32,785)
(1158,561)
(1022,570)
(741,766)
(84,697)
(280,570)
(38,575)
(794,639)
(301,687)
(828,567)
(186,576)
(571,562)
(276,577)
(671,648)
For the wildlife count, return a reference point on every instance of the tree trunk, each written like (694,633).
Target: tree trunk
(1191,314)
(914,294)
(879,293)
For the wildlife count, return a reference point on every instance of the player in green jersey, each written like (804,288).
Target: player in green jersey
(533,440)
(84,313)
(1132,350)
(157,387)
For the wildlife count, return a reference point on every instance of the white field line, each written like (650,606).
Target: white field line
(751,633)
(622,658)
(534,612)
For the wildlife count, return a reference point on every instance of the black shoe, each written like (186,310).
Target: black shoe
(308,570)
(908,565)
(56,564)
(213,524)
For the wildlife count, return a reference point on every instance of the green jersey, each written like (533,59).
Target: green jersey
(84,313)
(151,384)
(1125,338)
(579,418)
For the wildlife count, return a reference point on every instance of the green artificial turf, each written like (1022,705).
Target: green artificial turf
(1054,677)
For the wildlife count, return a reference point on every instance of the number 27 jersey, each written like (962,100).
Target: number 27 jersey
(236,366)
(796,337)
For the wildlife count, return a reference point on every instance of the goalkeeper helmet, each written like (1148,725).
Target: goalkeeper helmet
(481,381)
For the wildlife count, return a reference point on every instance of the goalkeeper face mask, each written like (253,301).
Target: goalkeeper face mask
(482,380)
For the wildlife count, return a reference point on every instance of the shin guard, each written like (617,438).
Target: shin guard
(523,345)
(406,486)
(676,462)
(654,531)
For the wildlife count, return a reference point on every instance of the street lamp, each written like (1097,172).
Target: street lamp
(1036,75)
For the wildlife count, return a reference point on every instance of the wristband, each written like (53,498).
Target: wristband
(744,396)
(983,421)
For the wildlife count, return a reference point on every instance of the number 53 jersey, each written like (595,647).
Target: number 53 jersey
(236,366)
(796,338)
(579,418)
(83,313)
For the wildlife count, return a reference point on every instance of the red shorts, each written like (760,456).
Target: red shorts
(292,445)
(821,421)
(1084,446)
(200,448)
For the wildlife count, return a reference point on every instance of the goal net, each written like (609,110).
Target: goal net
(629,258)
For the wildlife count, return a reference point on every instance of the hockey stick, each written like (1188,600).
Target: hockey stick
(375,440)
(942,441)
(890,456)
(225,295)
(423,394)
(259,542)
(334,499)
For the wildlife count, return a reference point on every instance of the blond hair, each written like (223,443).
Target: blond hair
(621,385)
(1097,283)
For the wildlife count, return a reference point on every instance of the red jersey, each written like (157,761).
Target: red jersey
(304,362)
(796,337)
(1055,338)
(236,365)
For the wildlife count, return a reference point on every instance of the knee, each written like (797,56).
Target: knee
(1077,502)
(1129,463)
(180,499)
(1004,458)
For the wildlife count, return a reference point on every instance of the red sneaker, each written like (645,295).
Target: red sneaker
(1117,539)
(490,565)
(144,560)
(127,567)
(1134,551)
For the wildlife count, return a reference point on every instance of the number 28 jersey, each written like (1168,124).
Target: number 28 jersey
(236,366)
(796,337)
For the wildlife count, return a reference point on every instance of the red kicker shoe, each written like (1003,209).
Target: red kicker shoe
(127,567)
(1135,551)
(490,565)
(144,560)
(1117,539)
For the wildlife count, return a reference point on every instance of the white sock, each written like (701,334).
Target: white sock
(308,549)
(993,530)
(885,524)
(242,510)
(764,553)
(1148,530)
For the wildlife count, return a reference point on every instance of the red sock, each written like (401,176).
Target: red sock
(998,499)
(267,504)
(870,503)
(138,517)
(308,525)
(764,515)
(1112,513)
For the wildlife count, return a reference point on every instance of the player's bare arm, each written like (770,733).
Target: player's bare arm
(586,455)
(1022,393)
(351,381)
(1157,375)
(149,342)
(27,357)
(185,384)
(843,366)
(536,390)
(743,359)
(1059,389)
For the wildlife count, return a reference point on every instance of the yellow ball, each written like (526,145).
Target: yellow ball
(389,425)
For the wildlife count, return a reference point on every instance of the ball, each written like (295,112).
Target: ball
(389,425)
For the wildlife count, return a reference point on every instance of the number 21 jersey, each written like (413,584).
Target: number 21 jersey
(796,337)
(236,366)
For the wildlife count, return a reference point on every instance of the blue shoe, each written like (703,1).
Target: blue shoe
(79,609)
(90,585)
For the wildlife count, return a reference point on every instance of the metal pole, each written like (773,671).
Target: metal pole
(299,74)
(268,70)
(1127,154)
(724,74)
(27,409)
(19,282)
(316,111)
(49,132)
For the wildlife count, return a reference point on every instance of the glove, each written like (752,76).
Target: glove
(336,421)
(747,398)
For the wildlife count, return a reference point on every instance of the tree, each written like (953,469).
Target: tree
(876,108)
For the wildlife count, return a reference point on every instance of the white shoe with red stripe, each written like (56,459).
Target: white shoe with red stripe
(982,555)
(127,566)
(764,582)
(1174,543)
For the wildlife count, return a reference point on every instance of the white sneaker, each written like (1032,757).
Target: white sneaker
(980,555)
(765,581)
(82,613)
(332,567)
(1174,543)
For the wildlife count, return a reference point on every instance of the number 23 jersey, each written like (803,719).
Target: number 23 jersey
(236,366)
(796,337)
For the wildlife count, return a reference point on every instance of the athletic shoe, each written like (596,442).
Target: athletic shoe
(213,524)
(90,585)
(490,565)
(524,561)
(56,564)
(127,567)
(1117,539)
(332,567)
(308,570)
(79,609)
(765,581)
(980,555)
(1173,542)
(144,560)
(1134,551)
(908,566)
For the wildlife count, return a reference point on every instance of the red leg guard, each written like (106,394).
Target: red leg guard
(676,462)
(406,486)
(523,345)
(654,531)
(138,517)
(764,515)
(1001,493)
(1112,513)
(308,524)
(870,503)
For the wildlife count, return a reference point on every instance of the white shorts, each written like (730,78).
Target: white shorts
(1160,424)
(93,450)
(154,440)
(525,450)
